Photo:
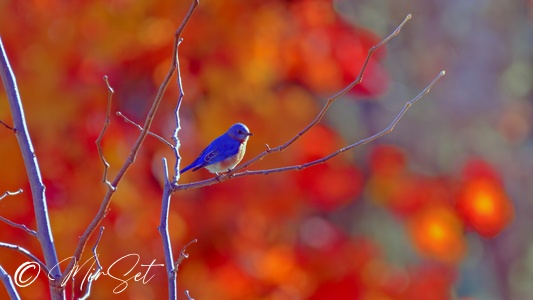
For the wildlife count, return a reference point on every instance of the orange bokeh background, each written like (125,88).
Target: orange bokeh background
(435,210)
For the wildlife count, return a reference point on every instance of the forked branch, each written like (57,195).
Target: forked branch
(167,188)
(133,153)
(235,172)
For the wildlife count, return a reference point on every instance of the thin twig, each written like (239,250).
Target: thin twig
(21,226)
(96,273)
(188,295)
(140,128)
(8,127)
(183,255)
(25,253)
(8,193)
(98,141)
(133,154)
(235,172)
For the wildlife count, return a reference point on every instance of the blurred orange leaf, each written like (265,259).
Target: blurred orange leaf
(437,232)
(484,205)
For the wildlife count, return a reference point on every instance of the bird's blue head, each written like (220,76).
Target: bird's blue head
(239,132)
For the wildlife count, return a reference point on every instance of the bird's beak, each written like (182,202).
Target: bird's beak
(249,134)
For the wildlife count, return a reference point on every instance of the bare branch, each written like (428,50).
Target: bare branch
(8,193)
(235,172)
(374,137)
(177,118)
(21,226)
(165,235)
(167,189)
(329,101)
(134,151)
(98,267)
(98,142)
(31,164)
(25,253)
(141,129)
(8,283)
(387,130)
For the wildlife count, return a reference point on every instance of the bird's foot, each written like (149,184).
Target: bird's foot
(217,177)
(229,173)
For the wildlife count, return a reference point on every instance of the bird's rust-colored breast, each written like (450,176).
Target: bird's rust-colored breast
(228,163)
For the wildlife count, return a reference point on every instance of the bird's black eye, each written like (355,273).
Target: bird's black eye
(239,131)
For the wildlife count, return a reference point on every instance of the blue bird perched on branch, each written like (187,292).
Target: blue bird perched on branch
(224,153)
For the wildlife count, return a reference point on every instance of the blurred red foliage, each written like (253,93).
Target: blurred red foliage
(283,236)
(482,201)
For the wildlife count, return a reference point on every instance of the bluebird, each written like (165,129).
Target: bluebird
(224,153)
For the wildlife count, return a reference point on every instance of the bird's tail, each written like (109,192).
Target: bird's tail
(187,168)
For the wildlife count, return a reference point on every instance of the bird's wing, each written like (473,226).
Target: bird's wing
(204,158)
(220,149)
(201,161)
(225,147)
